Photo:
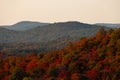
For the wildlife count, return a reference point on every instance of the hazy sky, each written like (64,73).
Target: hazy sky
(88,11)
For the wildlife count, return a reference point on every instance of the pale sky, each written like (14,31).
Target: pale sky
(88,11)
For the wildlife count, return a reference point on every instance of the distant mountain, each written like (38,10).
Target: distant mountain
(109,25)
(50,37)
(48,32)
(25,25)
(57,30)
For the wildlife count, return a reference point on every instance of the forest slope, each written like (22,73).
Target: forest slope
(94,58)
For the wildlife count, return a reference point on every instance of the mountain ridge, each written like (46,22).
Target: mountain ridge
(49,37)
(111,25)
(49,32)
(25,25)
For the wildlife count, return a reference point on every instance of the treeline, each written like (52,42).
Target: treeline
(94,58)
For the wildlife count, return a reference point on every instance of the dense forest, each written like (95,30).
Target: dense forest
(93,58)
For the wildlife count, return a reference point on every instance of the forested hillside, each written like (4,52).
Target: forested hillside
(43,38)
(94,58)
(48,32)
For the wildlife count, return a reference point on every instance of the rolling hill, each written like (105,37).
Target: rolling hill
(48,33)
(49,37)
(25,25)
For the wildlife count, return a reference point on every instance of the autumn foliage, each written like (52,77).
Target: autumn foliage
(94,58)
